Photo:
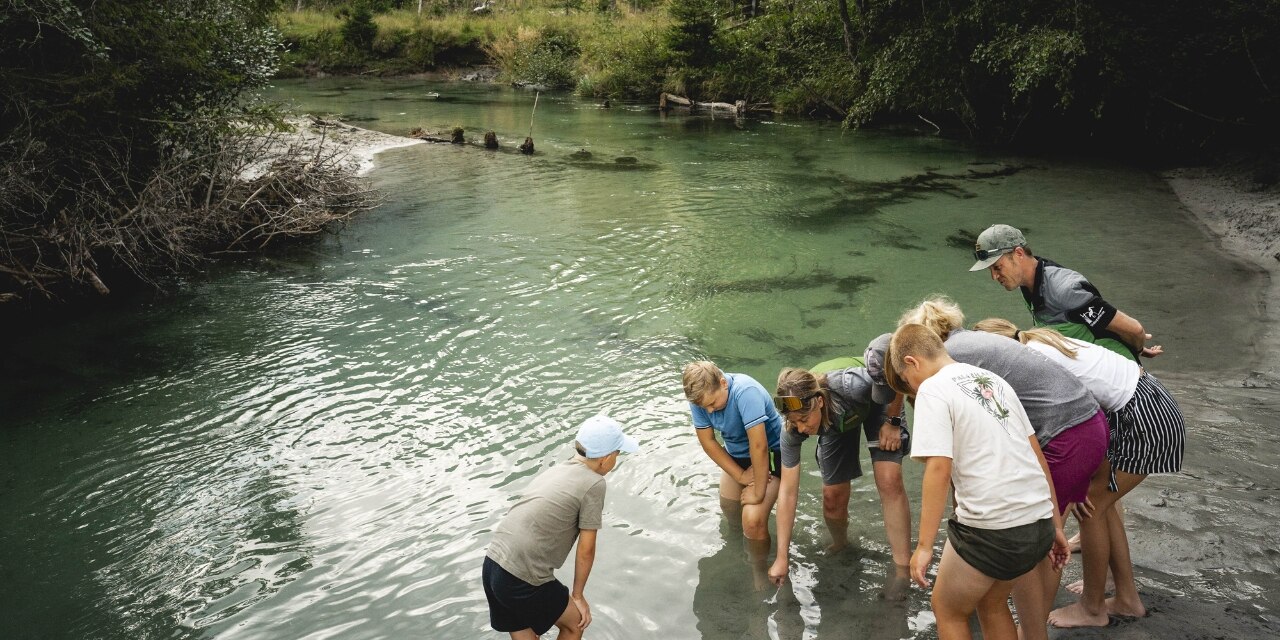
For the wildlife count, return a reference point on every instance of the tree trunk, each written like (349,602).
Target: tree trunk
(843,8)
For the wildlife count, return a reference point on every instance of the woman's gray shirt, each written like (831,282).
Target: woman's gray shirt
(1053,397)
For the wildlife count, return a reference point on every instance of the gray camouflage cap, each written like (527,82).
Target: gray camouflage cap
(996,241)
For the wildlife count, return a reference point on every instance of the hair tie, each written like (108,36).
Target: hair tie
(1016,335)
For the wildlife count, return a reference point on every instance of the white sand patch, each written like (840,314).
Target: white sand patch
(352,146)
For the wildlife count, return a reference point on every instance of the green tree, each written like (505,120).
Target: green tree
(117,129)
(359,29)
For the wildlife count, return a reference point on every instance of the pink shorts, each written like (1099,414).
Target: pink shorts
(1074,455)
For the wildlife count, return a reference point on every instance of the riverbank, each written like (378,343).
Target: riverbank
(1243,215)
(356,146)
(1202,540)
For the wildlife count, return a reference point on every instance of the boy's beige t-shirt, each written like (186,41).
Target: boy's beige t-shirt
(535,537)
(972,416)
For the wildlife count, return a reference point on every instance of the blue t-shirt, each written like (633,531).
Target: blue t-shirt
(749,405)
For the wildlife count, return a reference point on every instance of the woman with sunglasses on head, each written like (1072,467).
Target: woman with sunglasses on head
(837,406)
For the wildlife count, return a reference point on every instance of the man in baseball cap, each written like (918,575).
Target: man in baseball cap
(1058,297)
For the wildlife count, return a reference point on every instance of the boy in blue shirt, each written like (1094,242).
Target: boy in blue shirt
(740,409)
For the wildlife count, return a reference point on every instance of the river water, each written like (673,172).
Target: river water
(317,443)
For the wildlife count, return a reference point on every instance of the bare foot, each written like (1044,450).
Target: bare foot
(1074,615)
(1126,609)
(1074,543)
(1077,587)
(836,547)
(897,584)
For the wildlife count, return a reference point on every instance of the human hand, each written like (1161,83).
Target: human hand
(745,477)
(778,571)
(1060,552)
(920,561)
(1152,351)
(584,610)
(751,495)
(1082,509)
(890,437)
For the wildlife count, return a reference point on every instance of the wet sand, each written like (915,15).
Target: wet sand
(1204,541)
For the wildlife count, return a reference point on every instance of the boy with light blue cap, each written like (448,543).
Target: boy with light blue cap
(563,504)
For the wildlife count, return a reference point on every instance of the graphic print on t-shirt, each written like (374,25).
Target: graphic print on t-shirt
(990,396)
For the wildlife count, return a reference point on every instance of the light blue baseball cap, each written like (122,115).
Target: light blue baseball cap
(601,435)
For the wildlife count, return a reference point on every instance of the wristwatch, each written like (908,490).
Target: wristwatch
(895,421)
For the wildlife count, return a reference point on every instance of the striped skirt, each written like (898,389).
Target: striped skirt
(1148,434)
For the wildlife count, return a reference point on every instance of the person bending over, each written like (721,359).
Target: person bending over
(973,435)
(563,504)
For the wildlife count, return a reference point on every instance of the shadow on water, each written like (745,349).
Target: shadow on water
(835,197)
(845,285)
(75,353)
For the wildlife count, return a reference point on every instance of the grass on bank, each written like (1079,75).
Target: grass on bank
(613,54)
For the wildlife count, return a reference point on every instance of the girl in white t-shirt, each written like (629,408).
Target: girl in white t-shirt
(1148,435)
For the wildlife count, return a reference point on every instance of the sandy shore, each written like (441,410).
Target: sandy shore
(352,145)
(361,144)
(1245,218)
(1203,540)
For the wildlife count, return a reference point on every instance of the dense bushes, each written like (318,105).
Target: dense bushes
(124,127)
(1173,73)
(623,61)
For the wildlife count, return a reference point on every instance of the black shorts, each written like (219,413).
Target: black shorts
(515,604)
(775,462)
(1003,554)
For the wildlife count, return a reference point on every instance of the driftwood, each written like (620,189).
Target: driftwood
(667,101)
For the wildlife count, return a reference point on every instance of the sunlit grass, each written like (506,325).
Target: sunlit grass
(612,54)
(308,23)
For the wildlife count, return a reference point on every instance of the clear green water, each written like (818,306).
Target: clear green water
(316,444)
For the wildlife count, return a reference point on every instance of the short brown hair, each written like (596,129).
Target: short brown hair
(700,378)
(914,340)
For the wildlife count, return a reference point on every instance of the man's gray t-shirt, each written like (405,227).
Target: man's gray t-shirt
(535,537)
(850,403)
(1052,396)
(1062,295)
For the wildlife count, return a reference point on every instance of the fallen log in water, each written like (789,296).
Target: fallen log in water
(667,101)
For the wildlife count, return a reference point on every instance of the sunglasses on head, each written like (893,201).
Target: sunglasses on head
(791,404)
(983,254)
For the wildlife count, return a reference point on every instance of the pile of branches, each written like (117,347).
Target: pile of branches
(248,188)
